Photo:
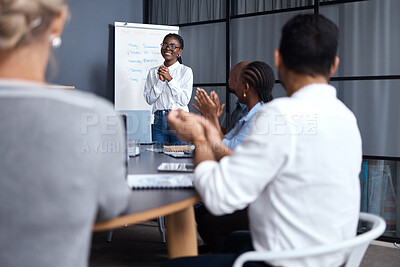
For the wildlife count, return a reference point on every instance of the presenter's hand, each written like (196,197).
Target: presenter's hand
(160,75)
(187,126)
(164,71)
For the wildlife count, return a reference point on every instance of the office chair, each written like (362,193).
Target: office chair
(356,246)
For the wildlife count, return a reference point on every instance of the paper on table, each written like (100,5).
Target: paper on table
(138,181)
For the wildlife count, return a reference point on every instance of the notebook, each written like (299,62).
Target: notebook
(175,167)
(149,181)
(179,154)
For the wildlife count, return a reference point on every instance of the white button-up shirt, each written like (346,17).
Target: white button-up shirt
(298,172)
(169,95)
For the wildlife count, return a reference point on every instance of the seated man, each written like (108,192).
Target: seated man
(253,88)
(287,170)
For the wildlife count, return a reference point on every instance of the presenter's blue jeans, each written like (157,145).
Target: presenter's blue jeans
(238,243)
(162,133)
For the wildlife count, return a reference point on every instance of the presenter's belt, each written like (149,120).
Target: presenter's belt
(162,112)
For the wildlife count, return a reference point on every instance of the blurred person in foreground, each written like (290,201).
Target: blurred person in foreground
(298,168)
(63,152)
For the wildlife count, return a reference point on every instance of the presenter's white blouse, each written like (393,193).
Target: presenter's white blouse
(174,94)
(297,170)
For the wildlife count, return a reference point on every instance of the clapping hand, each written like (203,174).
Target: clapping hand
(163,73)
(214,97)
(212,133)
(187,126)
(190,127)
(160,75)
(208,106)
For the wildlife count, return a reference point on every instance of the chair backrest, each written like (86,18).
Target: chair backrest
(355,246)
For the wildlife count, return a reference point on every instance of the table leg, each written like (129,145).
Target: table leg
(181,234)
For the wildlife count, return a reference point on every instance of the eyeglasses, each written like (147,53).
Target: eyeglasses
(171,46)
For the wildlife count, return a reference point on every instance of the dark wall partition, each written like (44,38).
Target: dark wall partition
(85,59)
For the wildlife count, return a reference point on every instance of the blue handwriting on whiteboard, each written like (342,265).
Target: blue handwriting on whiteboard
(134,61)
(152,52)
(131,52)
(134,80)
(135,70)
(133,45)
(150,60)
(150,46)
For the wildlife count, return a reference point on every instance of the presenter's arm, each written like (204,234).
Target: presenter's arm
(181,88)
(153,87)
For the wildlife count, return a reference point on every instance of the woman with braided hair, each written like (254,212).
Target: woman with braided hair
(253,88)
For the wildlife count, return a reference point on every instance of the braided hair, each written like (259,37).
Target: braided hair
(180,40)
(260,76)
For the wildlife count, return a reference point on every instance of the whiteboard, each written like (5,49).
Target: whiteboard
(137,49)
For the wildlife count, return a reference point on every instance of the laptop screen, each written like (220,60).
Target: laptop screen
(124,122)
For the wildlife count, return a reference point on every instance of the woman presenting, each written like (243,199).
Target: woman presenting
(168,87)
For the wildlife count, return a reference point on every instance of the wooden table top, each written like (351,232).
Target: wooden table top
(148,204)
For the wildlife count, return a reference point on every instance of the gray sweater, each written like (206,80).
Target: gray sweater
(62,167)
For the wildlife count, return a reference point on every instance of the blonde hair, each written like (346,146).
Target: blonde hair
(21,21)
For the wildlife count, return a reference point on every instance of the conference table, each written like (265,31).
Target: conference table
(147,204)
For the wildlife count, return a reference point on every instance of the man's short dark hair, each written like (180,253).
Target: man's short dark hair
(309,44)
